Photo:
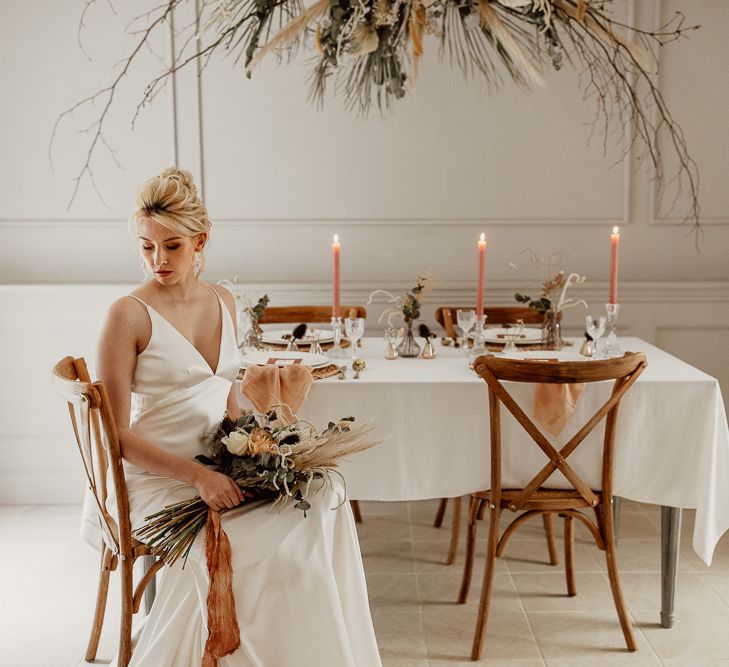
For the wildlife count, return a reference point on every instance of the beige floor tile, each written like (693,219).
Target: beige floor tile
(638,526)
(593,662)
(696,635)
(720,560)
(639,556)
(719,582)
(548,592)
(387,556)
(441,590)
(430,556)
(695,663)
(486,663)
(532,556)
(400,635)
(404,663)
(374,508)
(586,635)
(643,592)
(394,591)
(449,633)
(384,528)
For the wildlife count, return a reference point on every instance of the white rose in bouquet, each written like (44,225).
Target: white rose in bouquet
(236,442)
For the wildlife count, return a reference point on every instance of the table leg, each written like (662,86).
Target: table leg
(670,540)
(151,589)
(616,517)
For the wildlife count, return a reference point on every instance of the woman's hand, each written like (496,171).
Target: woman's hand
(219,491)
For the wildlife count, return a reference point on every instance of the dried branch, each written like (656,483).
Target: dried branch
(371,49)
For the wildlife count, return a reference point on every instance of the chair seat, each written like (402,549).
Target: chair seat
(541,499)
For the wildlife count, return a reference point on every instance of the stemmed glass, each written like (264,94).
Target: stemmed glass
(354,328)
(595,327)
(245,326)
(512,333)
(466,318)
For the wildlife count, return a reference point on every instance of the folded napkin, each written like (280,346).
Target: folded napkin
(266,386)
(554,405)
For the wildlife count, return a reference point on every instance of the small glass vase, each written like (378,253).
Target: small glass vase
(612,347)
(408,346)
(551,331)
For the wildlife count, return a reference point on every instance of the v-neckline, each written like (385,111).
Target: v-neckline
(189,342)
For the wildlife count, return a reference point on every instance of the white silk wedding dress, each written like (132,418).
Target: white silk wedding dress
(298,582)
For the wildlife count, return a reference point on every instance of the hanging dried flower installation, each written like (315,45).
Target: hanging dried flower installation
(370,51)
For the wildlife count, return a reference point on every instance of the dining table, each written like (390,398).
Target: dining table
(431,419)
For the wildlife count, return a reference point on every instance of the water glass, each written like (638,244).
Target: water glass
(354,328)
(595,327)
(466,318)
(512,333)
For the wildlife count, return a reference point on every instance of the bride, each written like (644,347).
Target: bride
(168,357)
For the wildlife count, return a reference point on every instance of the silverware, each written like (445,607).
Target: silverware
(358,365)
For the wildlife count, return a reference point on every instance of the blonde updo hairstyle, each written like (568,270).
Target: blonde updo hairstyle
(171,199)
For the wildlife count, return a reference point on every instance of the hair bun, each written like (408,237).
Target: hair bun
(182,176)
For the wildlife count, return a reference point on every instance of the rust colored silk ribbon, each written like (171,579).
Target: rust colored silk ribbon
(223,630)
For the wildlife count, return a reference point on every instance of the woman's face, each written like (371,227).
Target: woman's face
(170,258)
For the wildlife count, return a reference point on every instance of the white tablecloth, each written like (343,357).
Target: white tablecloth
(432,418)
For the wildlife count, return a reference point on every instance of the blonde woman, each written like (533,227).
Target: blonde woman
(168,356)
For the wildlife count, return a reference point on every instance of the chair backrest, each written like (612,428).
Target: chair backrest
(446,316)
(98,443)
(291,314)
(624,371)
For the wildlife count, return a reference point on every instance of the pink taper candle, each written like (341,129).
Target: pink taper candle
(336,247)
(479,288)
(614,242)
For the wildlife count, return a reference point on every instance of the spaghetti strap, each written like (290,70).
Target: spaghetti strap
(146,305)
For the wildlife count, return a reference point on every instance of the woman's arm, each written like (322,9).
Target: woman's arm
(125,333)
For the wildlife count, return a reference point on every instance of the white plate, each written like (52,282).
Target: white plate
(276,336)
(528,336)
(283,358)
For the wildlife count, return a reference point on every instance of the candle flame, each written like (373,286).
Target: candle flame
(335,239)
(616,230)
(482,238)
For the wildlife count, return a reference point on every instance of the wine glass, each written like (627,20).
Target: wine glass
(245,326)
(512,333)
(595,327)
(354,328)
(466,318)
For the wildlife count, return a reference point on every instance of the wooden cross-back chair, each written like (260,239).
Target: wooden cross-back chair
(291,314)
(446,317)
(98,443)
(536,497)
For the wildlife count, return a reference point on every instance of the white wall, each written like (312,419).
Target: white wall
(408,193)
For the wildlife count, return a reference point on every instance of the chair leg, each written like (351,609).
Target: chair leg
(455,531)
(440,513)
(612,566)
(127,610)
(356,511)
(100,610)
(548,520)
(473,509)
(487,586)
(569,553)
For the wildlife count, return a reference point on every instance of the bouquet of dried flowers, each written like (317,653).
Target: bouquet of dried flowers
(267,456)
(553,297)
(406,305)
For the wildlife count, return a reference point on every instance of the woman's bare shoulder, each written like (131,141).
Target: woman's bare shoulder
(226,295)
(127,316)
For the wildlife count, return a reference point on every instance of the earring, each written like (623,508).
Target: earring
(198,263)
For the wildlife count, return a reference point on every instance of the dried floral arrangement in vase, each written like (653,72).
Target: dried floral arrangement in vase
(406,306)
(551,302)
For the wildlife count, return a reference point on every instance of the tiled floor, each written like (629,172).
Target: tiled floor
(46,596)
